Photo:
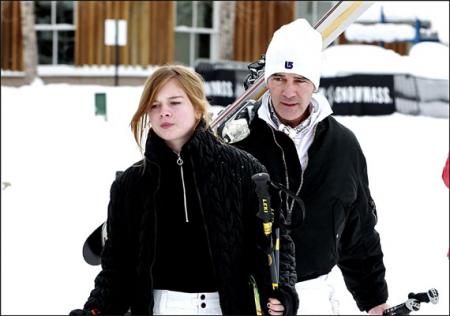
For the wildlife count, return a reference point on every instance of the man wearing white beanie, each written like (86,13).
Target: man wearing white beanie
(292,132)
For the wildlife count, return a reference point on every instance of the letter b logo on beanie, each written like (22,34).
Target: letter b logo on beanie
(288,64)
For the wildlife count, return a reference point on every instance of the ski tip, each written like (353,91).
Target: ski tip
(89,256)
(93,247)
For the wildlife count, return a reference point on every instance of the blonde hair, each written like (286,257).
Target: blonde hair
(190,81)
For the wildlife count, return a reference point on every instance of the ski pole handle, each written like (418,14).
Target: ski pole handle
(403,309)
(262,181)
(413,303)
(431,295)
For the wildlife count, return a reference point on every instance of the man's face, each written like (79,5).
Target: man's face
(291,95)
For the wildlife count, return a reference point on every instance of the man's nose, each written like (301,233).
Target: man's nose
(289,90)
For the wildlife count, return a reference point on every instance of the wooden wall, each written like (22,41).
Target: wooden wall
(150,27)
(255,23)
(401,48)
(11,36)
(150,38)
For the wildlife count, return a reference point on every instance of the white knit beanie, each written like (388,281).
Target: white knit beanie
(295,48)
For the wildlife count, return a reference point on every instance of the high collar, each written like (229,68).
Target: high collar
(319,109)
(156,148)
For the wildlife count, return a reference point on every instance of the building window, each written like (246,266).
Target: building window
(195,31)
(55,32)
(313,10)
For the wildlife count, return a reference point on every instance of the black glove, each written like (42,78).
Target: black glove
(83,312)
(289,298)
(79,312)
(256,70)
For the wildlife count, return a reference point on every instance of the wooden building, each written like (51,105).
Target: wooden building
(72,33)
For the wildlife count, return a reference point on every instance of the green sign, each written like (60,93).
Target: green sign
(100,104)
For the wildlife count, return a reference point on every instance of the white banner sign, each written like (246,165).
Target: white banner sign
(110,32)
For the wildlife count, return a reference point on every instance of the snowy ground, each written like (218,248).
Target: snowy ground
(58,160)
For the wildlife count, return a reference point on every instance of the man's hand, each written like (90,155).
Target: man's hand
(275,307)
(378,310)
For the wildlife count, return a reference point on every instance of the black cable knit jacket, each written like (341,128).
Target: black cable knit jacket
(227,202)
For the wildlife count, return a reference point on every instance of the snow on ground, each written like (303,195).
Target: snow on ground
(59,159)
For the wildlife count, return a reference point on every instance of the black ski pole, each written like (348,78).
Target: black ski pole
(413,303)
(405,308)
(265,213)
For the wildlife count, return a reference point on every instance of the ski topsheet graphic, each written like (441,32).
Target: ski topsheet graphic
(330,25)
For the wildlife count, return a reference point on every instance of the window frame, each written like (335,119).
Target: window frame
(314,15)
(194,30)
(55,28)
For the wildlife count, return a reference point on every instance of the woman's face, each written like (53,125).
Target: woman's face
(172,115)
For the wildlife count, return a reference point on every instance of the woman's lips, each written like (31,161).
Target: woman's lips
(166,125)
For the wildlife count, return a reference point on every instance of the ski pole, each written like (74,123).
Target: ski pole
(265,213)
(276,254)
(413,303)
(403,309)
(301,204)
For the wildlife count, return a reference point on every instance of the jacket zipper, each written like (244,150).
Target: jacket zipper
(180,163)
(304,169)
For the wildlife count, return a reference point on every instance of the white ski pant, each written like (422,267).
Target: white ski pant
(317,297)
(181,303)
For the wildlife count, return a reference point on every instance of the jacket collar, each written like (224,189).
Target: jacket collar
(319,109)
(303,134)
(156,148)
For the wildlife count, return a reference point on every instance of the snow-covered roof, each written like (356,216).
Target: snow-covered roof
(386,32)
(436,12)
(429,59)
(426,59)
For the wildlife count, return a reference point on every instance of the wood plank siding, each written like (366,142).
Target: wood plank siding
(11,36)
(150,35)
(401,48)
(255,23)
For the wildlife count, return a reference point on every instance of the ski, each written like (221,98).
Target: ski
(331,25)
(93,245)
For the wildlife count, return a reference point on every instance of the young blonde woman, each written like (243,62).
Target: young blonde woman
(183,236)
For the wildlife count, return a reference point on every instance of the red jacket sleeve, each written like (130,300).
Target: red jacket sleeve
(445,173)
